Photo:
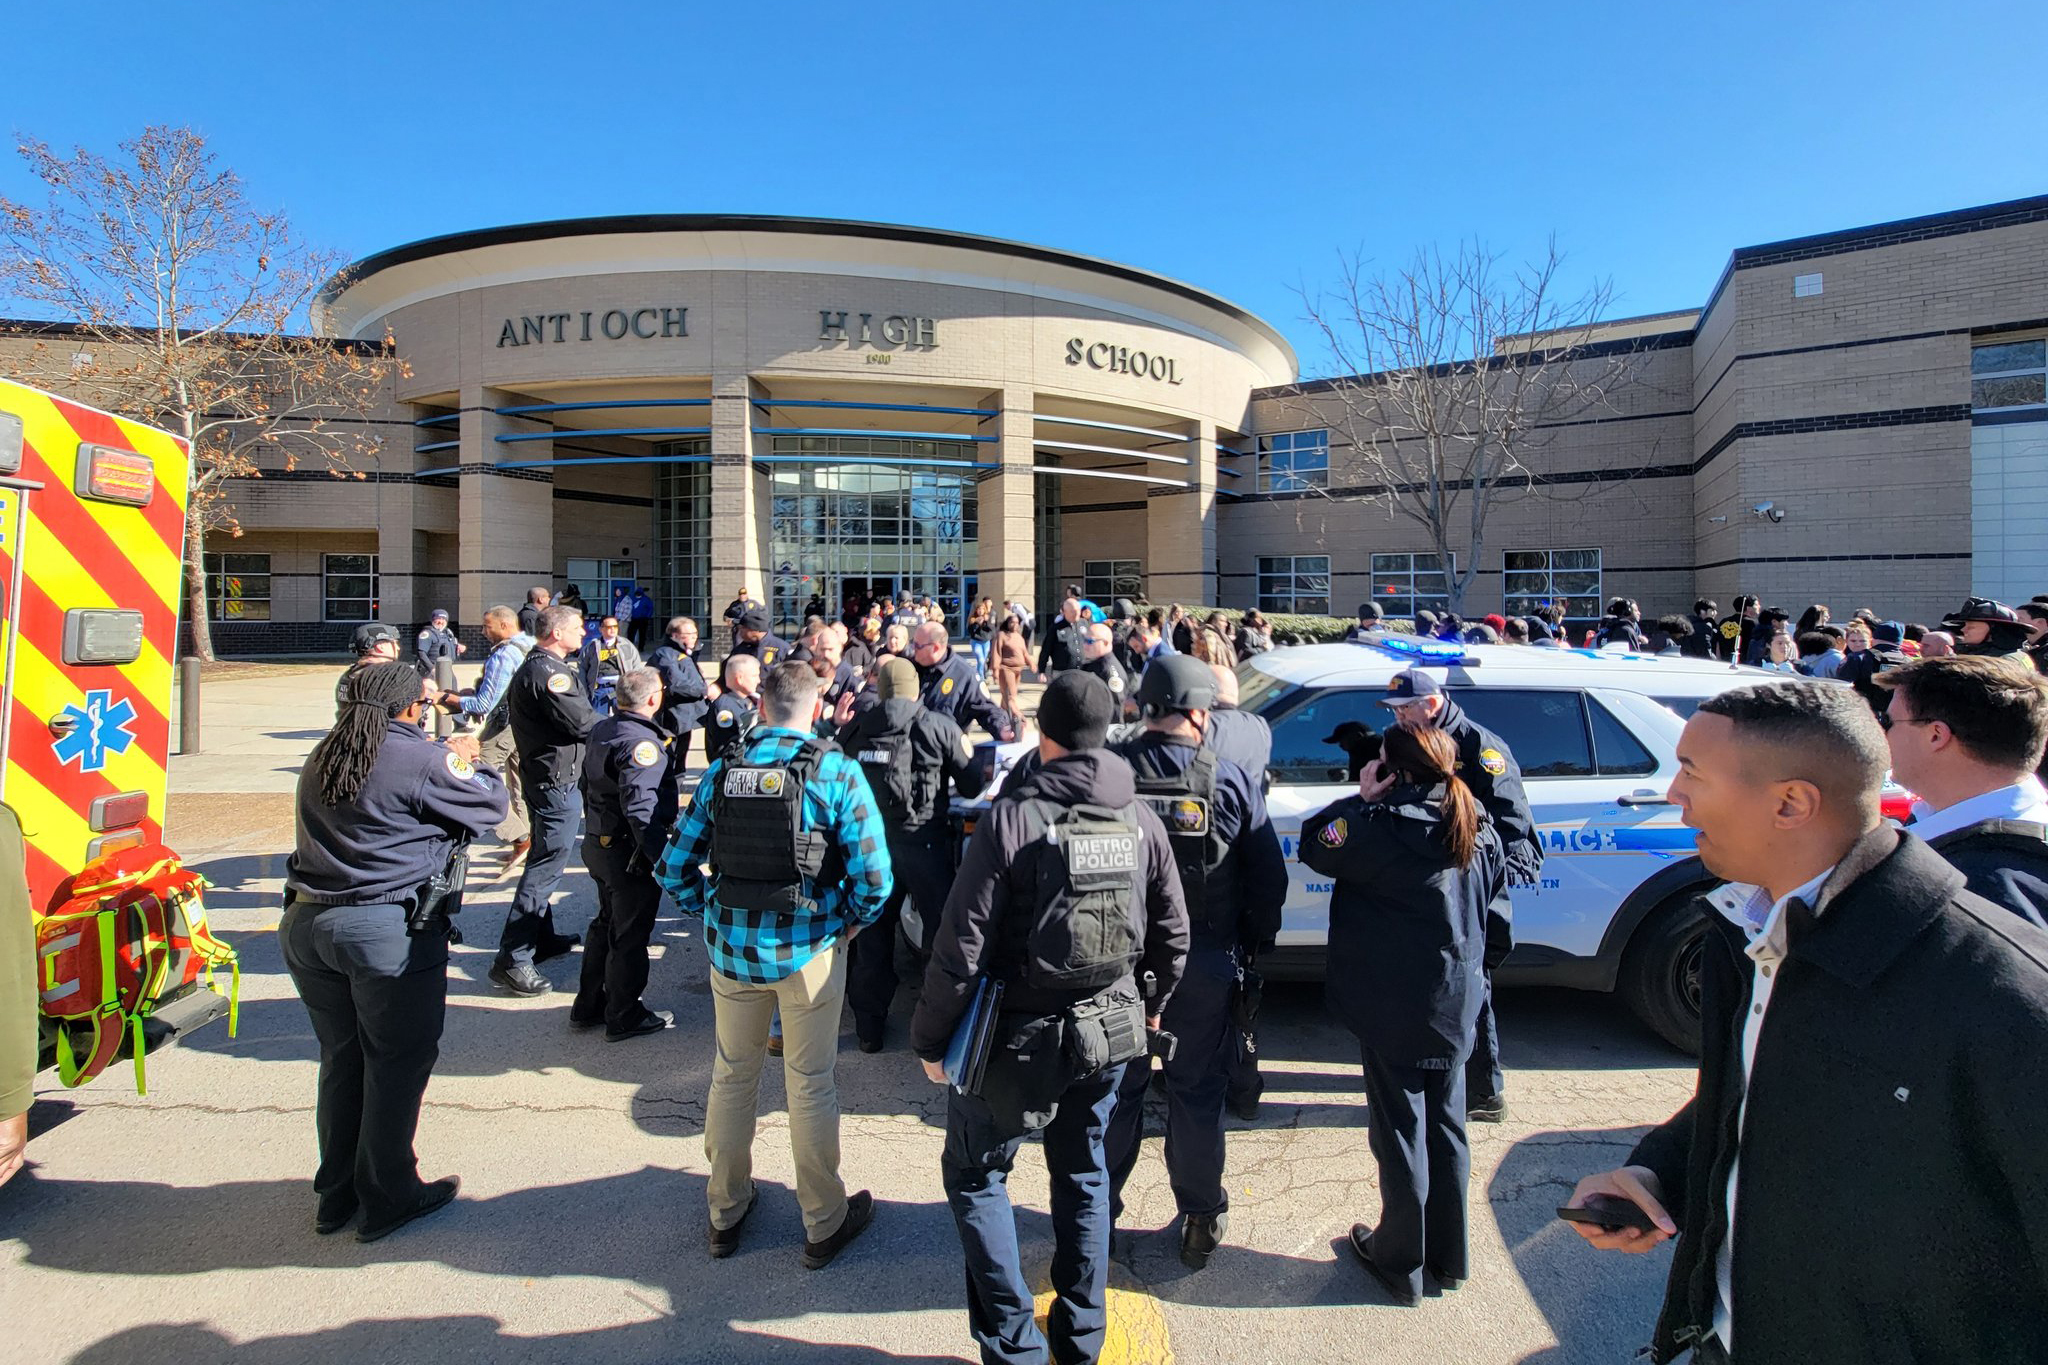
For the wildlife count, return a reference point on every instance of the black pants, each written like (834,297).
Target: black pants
(377,997)
(1417,1132)
(615,947)
(901,938)
(1484,1081)
(1198,1015)
(638,629)
(554,812)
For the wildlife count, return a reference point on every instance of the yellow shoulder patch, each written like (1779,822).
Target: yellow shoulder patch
(559,682)
(458,766)
(646,754)
(946,688)
(1493,761)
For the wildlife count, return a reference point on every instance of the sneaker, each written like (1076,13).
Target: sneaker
(650,1021)
(1487,1111)
(556,945)
(520,978)
(431,1197)
(1199,1238)
(860,1211)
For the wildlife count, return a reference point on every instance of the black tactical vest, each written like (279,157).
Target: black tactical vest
(1185,803)
(766,861)
(1075,932)
(890,761)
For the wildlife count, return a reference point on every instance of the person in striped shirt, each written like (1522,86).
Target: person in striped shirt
(799,864)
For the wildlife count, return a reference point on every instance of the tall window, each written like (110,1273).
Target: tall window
(1570,578)
(682,536)
(1404,584)
(1105,580)
(2009,374)
(349,584)
(238,587)
(1299,584)
(1293,461)
(599,581)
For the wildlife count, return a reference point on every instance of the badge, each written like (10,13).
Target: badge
(1493,761)
(1335,833)
(722,717)
(458,766)
(1116,682)
(558,682)
(946,688)
(767,656)
(646,754)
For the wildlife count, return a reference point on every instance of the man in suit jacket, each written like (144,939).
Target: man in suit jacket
(1860,1175)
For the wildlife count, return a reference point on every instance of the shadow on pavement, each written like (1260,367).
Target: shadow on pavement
(1600,1305)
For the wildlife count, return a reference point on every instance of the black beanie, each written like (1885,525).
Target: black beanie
(1076,711)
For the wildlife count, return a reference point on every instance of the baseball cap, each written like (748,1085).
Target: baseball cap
(370,636)
(438,614)
(1076,711)
(754,618)
(896,678)
(1411,684)
(1176,682)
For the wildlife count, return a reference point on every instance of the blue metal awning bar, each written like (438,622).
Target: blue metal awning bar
(601,431)
(1230,473)
(432,446)
(1222,449)
(1110,426)
(604,459)
(922,461)
(443,420)
(856,431)
(1043,444)
(524,408)
(874,407)
(1106,474)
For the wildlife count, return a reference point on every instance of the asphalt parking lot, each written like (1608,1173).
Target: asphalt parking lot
(177,1226)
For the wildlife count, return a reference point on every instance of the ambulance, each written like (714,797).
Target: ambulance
(92,534)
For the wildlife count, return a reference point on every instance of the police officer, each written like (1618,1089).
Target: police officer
(605,658)
(550,720)
(684,695)
(740,605)
(1246,740)
(905,614)
(914,758)
(1098,658)
(373,644)
(1488,767)
(629,807)
(381,811)
(752,634)
(1062,648)
(732,715)
(1069,857)
(436,642)
(1369,618)
(952,686)
(1234,879)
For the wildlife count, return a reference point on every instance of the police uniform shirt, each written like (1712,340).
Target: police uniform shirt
(953,689)
(683,691)
(381,847)
(1115,676)
(629,787)
(771,649)
(739,607)
(550,718)
(731,715)
(1488,767)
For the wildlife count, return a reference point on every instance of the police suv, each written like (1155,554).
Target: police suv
(1595,733)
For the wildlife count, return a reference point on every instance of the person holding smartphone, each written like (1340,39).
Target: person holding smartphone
(1414,860)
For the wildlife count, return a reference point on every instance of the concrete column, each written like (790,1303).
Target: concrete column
(506,522)
(738,522)
(1180,527)
(399,602)
(1008,563)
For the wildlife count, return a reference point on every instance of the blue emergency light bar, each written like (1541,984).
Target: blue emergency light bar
(1430,653)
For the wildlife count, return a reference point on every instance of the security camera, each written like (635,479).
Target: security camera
(1769,511)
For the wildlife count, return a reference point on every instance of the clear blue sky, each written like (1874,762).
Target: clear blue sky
(1239,147)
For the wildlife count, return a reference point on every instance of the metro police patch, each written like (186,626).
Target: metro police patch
(559,682)
(767,656)
(1180,814)
(753,782)
(1333,834)
(458,766)
(646,753)
(1116,682)
(1493,761)
(722,717)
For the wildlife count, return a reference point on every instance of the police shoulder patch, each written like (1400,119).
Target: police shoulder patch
(1493,761)
(946,688)
(1116,682)
(458,766)
(646,754)
(723,717)
(768,656)
(1335,833)
(559,682)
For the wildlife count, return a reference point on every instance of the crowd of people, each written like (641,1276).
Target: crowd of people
(1120,883)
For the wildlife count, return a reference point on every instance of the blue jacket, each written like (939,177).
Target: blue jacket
(683,701)
(629,789)
(953,689)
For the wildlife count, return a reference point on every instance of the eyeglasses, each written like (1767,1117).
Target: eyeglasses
(1885,720)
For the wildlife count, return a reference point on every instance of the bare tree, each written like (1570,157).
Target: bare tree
(1455,374)
(193,305)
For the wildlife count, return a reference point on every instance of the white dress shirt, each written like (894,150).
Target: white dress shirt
(1750,909)
(2025,799)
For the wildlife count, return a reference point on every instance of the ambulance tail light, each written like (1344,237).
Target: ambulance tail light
(102,635)
(114,843)
(110,474)
(118,812)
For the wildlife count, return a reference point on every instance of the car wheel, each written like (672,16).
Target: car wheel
(1660,973)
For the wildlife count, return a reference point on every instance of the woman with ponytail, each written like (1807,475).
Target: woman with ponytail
(381,808)
(1412,856)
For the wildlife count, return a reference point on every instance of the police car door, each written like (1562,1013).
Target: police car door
(1588,762)
(1308,774)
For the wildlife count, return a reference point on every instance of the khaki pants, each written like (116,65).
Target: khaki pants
(810,1001)
(499,753)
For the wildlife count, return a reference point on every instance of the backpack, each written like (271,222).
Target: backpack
(889,760)
(1075,933)
(129,934)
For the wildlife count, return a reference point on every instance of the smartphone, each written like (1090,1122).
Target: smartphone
(1610,1214)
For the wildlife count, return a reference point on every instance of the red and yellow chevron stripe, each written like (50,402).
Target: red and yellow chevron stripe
(84,553)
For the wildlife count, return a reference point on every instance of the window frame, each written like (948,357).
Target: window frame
(1289,474)
(214,565)
(1105,580)
(1436,602)
(1271,602)
(2024,372)
(328,573)
(1550,593)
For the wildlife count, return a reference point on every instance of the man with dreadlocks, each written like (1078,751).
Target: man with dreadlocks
(381,809)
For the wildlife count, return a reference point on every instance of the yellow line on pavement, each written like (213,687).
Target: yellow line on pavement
(1137,1327)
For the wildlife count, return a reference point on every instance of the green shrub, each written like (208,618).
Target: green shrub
(1322,629)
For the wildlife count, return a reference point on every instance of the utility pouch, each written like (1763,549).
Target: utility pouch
(1027,1073)
(1106,1030)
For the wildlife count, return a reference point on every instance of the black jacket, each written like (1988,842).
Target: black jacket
(1062,647)
(952,687)
(629,788)
(1859,668)
(550,717)
(939,754)
(682,699)
(1699,644)
(2004,861)
(1407,925)
(419,798)
(1243,738)
(1117,679)
(1488,767)
(1893,1201)
(995,873)
(771,649)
